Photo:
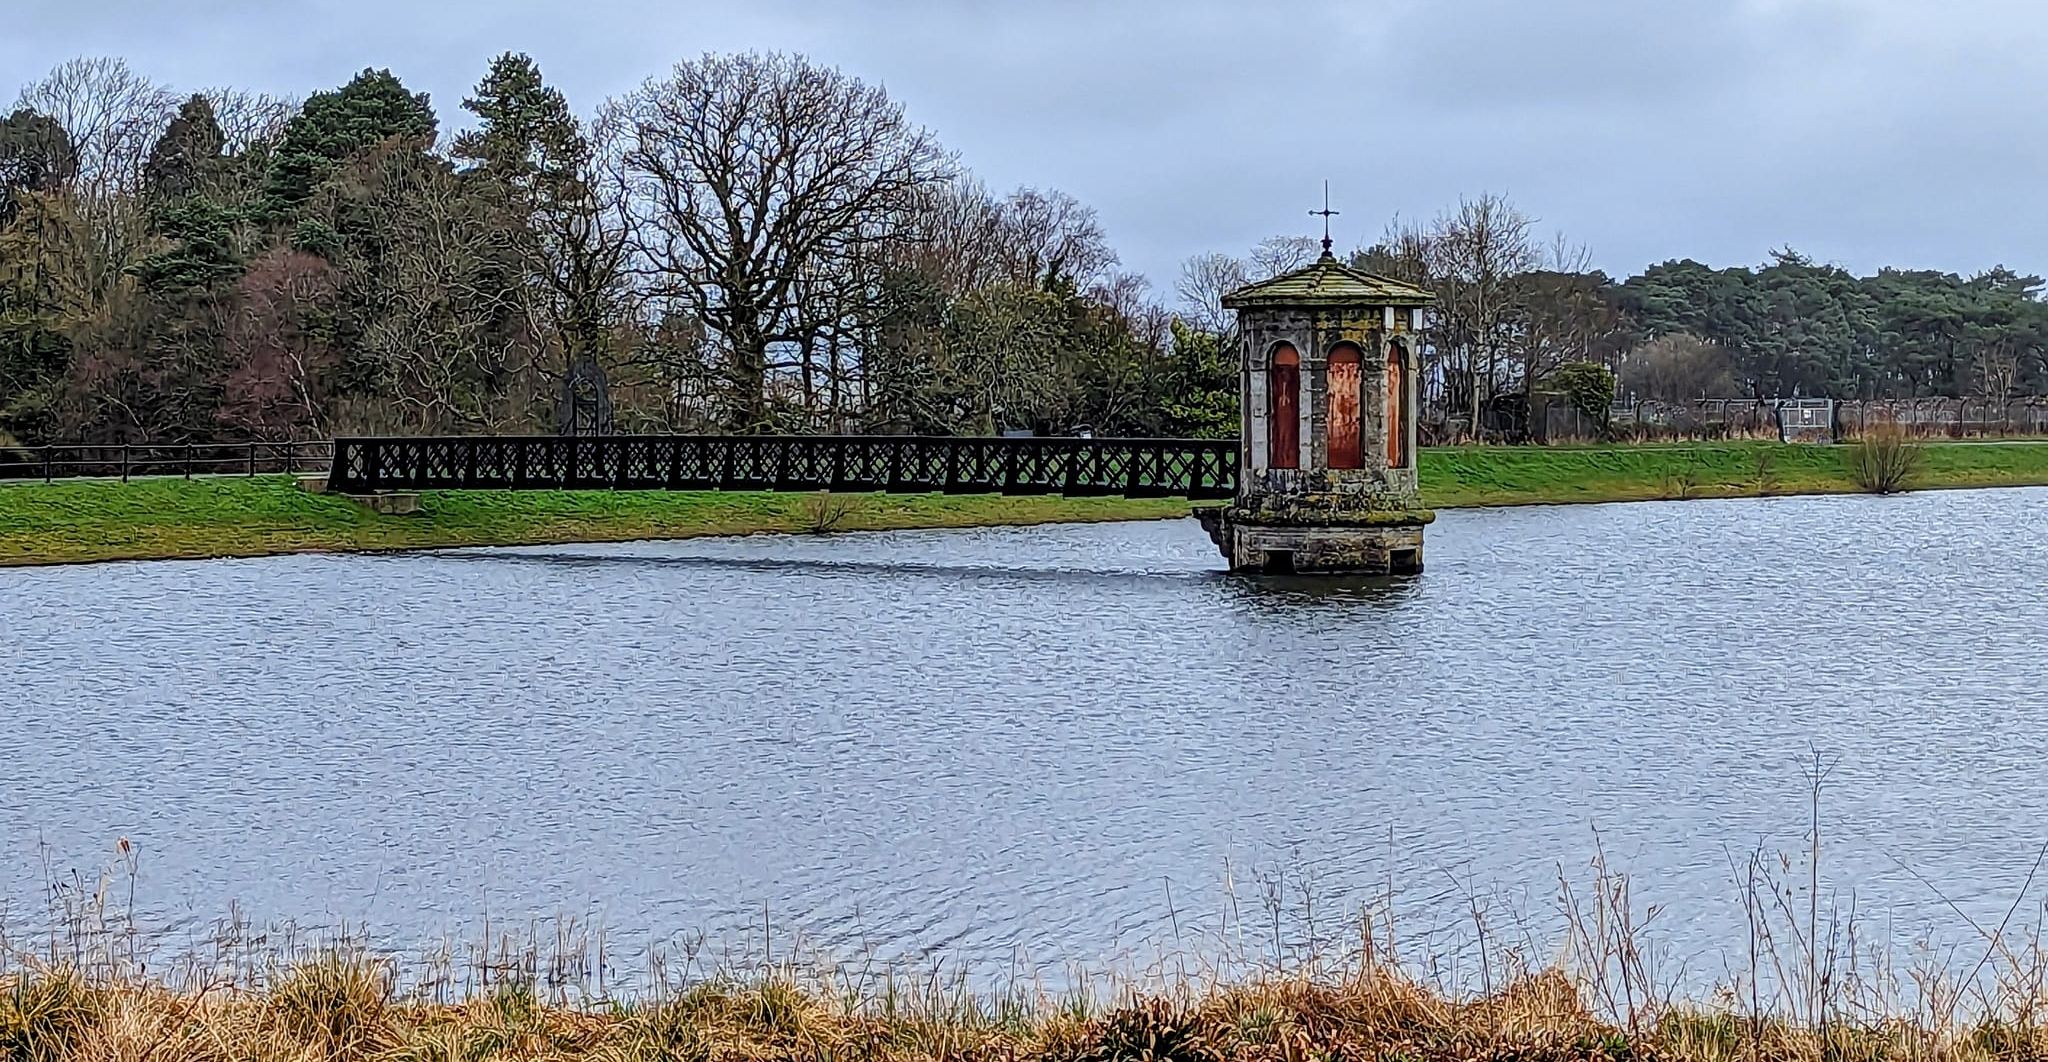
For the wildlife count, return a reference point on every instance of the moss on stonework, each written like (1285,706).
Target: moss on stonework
(1328,510)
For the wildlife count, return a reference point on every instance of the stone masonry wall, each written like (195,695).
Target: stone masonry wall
(1313,333)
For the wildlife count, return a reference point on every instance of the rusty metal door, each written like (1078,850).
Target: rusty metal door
(1283,418)
(1397,408)
(1283,426)
(1346,447)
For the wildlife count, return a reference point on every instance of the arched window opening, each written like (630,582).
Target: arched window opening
(1346,433)
(1283,409)
(1397,407)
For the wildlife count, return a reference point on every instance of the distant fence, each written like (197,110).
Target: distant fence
(1955,418)
(1744,418)
(126,461)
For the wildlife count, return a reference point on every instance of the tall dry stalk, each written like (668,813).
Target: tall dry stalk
(1808,994)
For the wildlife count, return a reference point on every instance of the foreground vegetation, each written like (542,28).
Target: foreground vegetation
(344,1009)
(1808,991)
(222,517)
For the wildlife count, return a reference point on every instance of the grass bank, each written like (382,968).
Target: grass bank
(236,517)
(169,518)
(1527,475)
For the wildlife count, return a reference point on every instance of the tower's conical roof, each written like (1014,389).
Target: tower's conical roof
(1328,282)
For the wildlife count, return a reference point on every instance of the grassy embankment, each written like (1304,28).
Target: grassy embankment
(96,520)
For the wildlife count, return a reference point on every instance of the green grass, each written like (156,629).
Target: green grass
(160,518)
(1467,476)
(234,517)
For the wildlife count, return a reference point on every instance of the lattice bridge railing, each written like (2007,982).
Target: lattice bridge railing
(1132,468)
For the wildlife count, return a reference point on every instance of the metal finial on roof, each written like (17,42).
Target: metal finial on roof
(1326,214)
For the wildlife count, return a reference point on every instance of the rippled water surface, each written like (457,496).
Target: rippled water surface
(1075,743)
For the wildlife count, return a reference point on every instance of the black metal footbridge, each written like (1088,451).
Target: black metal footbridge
(1197,469)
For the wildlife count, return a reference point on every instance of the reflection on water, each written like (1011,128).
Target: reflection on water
(1293,590)
(1072,743)
(817,565)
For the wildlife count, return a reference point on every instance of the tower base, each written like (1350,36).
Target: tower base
(1375,543)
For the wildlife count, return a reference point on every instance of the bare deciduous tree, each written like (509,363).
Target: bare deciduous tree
(279,368)
(1564,316)
(746,175)
(250,119)
(1204,280)
(114,116)
(1281,254)
(1042,235)
(1477,255)
(1678,368)
(444,325)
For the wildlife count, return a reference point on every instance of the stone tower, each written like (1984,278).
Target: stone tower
(1327,468)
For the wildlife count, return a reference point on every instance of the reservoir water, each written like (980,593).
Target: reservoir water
(1073,744)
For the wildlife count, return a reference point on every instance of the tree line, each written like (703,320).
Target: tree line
(764,243)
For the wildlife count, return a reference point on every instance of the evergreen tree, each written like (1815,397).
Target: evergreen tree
(196,234)
(200,247)
(528,139)
(337,125)
(188,154)
(529,159)
(36,155)
(38,310)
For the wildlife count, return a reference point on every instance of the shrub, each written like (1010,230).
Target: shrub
(1766,459)
(1589,386)
(1683,482)
(339,1006)
(1884,461)
(1155,1030)
(824,511)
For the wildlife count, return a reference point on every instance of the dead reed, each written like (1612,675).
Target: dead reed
(1808,984)
(1807,988)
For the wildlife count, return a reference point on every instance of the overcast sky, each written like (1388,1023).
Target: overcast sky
(1863,132)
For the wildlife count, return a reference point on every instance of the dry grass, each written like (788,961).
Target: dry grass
(1807,987)
(1806,995)
(346,1009)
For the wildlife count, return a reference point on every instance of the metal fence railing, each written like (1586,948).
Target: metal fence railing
(125,461)
(1808,420)
(1132,468)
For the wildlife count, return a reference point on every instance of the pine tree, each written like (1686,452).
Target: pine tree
(531,161)
(528,138)
(337,125)
(36,155)
(187,155)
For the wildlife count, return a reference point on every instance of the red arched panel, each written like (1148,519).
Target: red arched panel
(1397,407)
(1347,377)
(1283,409)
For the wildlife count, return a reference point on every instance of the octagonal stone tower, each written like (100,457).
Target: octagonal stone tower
(1327,466)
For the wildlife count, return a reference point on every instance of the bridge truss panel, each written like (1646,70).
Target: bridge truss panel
(1197,469)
